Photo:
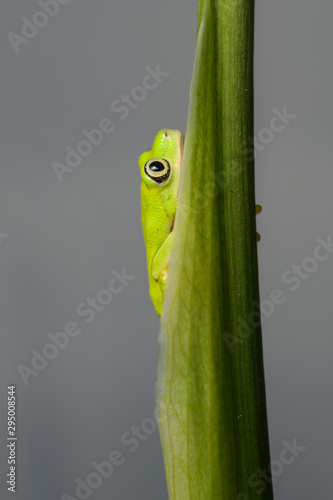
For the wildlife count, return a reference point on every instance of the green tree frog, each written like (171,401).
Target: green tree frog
(160,172)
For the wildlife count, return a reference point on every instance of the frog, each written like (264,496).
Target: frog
(160,169)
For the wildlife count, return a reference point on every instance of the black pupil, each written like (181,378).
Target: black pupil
(156,166)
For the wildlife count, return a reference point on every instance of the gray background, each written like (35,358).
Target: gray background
(65,238)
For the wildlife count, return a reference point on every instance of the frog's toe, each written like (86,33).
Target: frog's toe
(258,210)
(162,277)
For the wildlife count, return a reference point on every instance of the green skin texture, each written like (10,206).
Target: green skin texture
(158,209)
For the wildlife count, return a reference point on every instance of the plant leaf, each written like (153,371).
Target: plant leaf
(210,386)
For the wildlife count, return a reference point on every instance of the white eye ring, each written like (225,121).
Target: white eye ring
(158,169)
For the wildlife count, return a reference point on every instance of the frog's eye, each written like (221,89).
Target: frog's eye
(158,169)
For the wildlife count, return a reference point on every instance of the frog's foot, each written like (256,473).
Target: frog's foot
(162,279)
(157,295)
(258,210)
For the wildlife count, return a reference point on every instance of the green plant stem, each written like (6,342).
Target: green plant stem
(210,388)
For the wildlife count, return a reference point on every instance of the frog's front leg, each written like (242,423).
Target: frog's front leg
(162,280)
(160,266)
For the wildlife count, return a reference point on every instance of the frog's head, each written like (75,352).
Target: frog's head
(160,166)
